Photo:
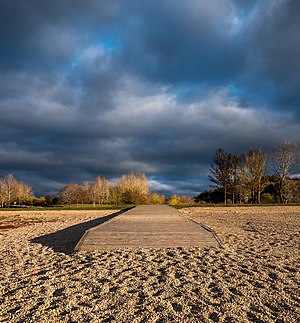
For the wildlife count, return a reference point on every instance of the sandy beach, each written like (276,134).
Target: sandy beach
(254,278)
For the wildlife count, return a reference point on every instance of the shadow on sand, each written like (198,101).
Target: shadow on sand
(65,240)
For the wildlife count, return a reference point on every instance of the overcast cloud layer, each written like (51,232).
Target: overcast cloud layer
(105,88)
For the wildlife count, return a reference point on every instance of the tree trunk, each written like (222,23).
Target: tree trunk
(281,191)
(225,196)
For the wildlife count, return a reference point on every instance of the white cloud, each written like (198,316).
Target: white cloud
(157,186)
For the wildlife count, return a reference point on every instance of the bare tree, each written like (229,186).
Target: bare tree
(100,191)
(284,160)
(23,193)
(255,171)
(221,171)
(8,189)
(234,176)
(13,191)
(93,193)
(84,193)
(69,193)
(3,195)
(115,193)
(134,188)
(105,190)
(10,184)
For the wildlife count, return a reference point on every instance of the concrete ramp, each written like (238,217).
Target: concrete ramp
(147,226)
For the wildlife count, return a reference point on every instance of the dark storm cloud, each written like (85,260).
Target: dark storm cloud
(273,68)
(183,41)
(93,88)
(41,34)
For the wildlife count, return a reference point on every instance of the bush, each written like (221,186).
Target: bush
(156,198)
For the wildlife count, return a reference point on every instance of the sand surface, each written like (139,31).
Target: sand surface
(254,278)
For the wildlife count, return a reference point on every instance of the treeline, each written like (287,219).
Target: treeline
(131,189)
(254,176)
(14,192)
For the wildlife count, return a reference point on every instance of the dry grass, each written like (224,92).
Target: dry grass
(255,278)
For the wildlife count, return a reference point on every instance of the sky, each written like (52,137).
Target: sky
(107,88)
